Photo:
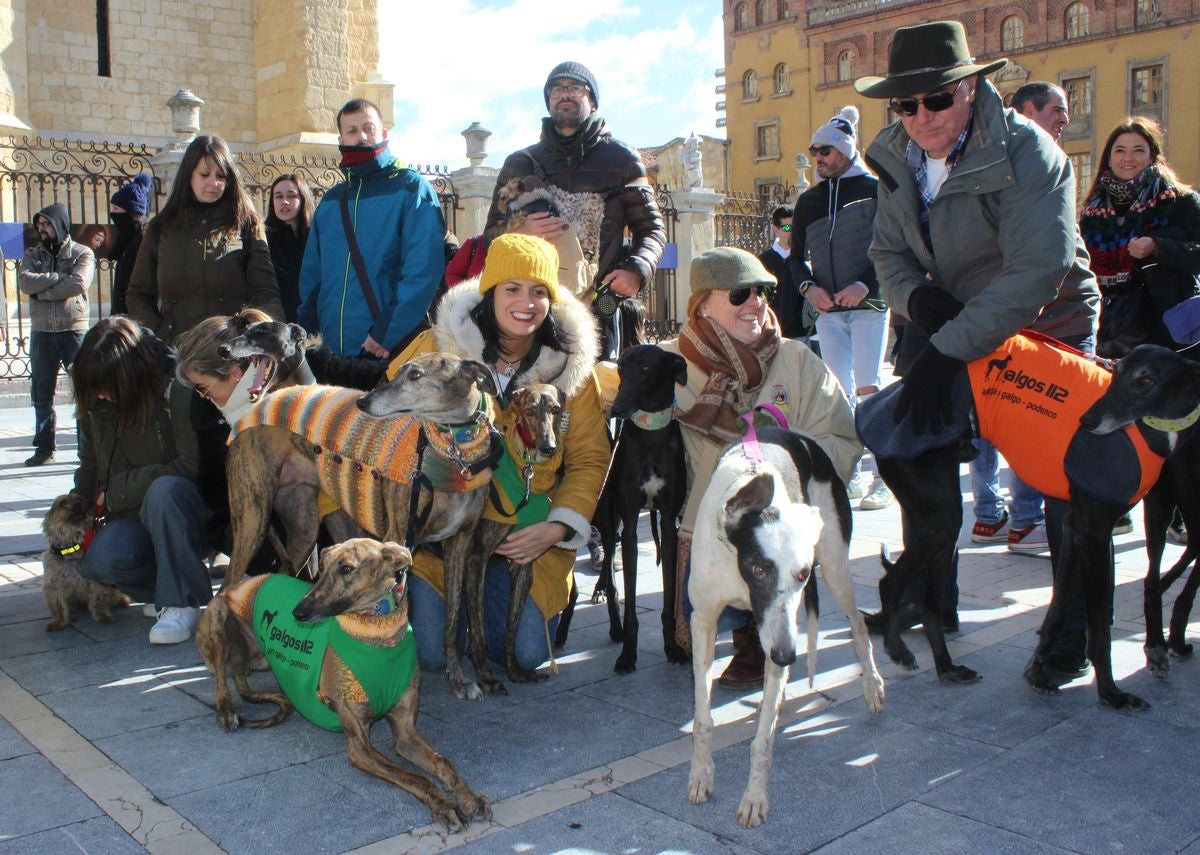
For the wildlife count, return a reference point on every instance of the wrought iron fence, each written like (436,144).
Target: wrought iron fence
(659,297)
(744,220)
(83,176)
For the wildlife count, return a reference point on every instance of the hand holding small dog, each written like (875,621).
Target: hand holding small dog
(541,224)
(530,542)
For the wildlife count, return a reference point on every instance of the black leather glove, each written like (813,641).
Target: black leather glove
(930,307)
(926,390)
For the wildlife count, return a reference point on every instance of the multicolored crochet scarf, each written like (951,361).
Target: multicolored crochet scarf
(735,372)
(1151,201)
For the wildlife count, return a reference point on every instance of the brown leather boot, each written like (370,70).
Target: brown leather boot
(745,670)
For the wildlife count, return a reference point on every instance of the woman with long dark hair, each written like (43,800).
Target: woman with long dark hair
(138,463)
(1141,225)
(206,252)
(288,222)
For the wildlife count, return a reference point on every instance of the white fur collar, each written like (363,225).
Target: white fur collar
(456,333)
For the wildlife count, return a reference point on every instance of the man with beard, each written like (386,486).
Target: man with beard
(55,274)
(577,154)
(374,257)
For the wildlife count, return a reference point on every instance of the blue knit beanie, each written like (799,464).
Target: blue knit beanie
(133,197)
(572,71)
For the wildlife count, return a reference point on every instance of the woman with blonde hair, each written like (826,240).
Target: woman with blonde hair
(206,252)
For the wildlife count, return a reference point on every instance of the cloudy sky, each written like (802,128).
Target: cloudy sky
(486,61)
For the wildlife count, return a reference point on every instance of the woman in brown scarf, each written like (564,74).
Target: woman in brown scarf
(736,360)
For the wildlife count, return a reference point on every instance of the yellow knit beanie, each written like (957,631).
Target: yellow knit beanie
(518,256)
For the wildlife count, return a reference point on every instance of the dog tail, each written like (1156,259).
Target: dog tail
(812,609)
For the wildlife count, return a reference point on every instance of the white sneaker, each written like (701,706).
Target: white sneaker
(1030,540)
(175,625)
(857,488)
(879,496)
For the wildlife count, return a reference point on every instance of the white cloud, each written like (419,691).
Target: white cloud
(654,69)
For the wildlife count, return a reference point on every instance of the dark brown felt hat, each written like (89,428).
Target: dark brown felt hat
(924,58)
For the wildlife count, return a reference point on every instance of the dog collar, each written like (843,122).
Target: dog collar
(656,420)
(1173,425)
(67,550)
(385,606)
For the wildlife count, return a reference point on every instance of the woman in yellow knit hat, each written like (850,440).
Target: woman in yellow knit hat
(516,319)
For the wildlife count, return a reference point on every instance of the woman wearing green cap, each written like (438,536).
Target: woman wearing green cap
(737,360)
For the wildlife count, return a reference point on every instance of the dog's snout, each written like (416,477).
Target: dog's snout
(783,655)
(303,610)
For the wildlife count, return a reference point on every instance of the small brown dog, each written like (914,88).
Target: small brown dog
(66,524)
(346,659)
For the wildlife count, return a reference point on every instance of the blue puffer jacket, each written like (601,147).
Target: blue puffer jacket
(399,228)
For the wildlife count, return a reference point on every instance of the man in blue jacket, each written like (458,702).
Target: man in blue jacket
(374,257)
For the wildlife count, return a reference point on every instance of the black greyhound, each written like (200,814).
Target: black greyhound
(1154,387)
(647,471)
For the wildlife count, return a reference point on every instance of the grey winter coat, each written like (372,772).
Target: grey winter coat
(57,283)
(1004,234)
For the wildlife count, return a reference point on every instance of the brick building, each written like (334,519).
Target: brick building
(789,66)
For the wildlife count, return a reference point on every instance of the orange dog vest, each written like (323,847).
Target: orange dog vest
(1029,396)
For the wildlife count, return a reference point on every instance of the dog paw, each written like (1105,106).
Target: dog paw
(626,664)
(1157,661)
(959,674)
(446,814)
(676,655)
(518,675)
(1119,700)
(56,625)
(1180,648)
(901,655)
(474,807)
(873,691)
(752,810)
(227,720)
(466,691)
(1036,677)
(492,686)
(700,782)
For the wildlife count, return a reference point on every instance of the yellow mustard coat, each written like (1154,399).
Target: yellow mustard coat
(585,455)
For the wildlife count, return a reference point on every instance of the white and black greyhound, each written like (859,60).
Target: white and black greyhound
(774,508)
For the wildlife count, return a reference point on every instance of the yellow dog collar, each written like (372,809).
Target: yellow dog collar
(1173,425)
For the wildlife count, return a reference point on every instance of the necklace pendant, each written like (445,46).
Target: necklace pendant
(509,369)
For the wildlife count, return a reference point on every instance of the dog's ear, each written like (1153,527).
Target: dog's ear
(396,553)
(680,366)
(480,374)
(755,495)
(297,333)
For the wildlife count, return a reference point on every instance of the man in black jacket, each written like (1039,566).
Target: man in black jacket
(604,176)
(832,230)
(788,303)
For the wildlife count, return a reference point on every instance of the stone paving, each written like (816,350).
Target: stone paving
(109,745)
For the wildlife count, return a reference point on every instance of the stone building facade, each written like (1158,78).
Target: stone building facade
(272,73)
(789,66)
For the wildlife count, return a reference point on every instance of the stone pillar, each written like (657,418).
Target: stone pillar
(694,233)
(474,184)
(185,123)
(14,92)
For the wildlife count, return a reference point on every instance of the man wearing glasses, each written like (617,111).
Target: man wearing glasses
(578,154)
(787,304)
(975,235)
(833,226)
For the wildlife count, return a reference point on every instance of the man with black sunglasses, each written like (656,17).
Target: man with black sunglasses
(975,235)
(833,226)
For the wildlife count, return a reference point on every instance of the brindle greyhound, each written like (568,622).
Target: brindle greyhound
(359,575)
(309,438)
(536,408)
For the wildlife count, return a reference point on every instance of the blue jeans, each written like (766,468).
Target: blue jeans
(852,345)
(47,351)
(427,614)
(157,557)
(1026,509)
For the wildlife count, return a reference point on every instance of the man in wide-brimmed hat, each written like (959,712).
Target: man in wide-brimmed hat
(975,232)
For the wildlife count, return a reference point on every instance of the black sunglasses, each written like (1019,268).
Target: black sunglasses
(822,150)
(740,295)
(935,103)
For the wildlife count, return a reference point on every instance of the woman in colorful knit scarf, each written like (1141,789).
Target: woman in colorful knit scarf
(1141,225)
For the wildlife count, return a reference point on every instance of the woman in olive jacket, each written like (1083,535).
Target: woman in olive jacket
(206,253)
